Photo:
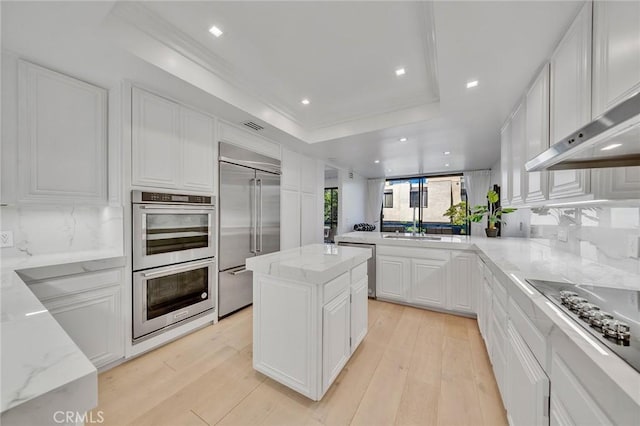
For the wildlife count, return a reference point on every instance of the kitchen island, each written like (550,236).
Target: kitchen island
(309,314)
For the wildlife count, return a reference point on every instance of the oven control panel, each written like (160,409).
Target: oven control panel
(162,197)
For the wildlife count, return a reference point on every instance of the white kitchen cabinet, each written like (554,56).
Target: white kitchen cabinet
(485,320)
(518,146)
(537,134)
(93,320)
(308,218)
(460,289)
(198,151)
(359,311)
(570,402)
(428,283)
(393,277)
(308,175)
(505,164)
(289,219)
(527,385)
(617,183)
(172,146)
(497,351)
(62,137)
(570,99)
(290,178)
(336,338)
(88,306)
(616,53)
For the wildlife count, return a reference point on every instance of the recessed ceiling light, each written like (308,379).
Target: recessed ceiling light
(447,152)
(446,165)
(612,146)
(305,101)
(215,31)
(400,71)
(388,170)
(402,139)
(471,84)
(377,161)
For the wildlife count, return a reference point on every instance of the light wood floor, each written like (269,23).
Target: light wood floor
(415,367)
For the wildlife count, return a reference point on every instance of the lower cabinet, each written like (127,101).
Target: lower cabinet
(570,402)
(93,321)
(359,312)
(336,337)
(461,292)
(428,283)
(392,277)
(526,384)
(88,306)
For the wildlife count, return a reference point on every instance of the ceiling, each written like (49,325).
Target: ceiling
(340,55)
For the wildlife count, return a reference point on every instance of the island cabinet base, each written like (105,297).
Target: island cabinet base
(304,333)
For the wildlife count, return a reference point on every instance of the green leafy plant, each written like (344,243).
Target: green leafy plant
(493,212)
(457,213)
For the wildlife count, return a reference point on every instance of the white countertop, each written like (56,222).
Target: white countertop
(315,263)
(42,368)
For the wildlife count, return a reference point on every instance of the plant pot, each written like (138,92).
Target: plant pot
(491,232)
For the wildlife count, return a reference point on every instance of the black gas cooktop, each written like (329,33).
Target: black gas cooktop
(611,315)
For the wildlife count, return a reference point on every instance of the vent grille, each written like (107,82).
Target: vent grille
(253,126)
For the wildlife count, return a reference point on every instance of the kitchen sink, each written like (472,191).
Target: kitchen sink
(412,237)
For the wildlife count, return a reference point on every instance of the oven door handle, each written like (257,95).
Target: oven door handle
(175,207)
(240,270)
(176,269)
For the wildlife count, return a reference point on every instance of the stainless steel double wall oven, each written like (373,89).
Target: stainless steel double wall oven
(174,264)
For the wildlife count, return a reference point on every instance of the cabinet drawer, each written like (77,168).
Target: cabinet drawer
(415,253)
(499,312)
(73,284)
(359,272)
(336,286)
(531,335)
(500,293)
(487,273)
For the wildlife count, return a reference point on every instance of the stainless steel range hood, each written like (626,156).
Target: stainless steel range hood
(611,140)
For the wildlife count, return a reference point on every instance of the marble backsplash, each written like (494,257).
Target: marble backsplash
(61,229)
(599,233)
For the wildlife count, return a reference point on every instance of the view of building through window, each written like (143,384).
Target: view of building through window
(418,204)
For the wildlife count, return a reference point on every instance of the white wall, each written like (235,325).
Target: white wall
(517,223)
(352,201)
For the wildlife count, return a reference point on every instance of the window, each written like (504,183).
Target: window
(414,197)
(330,213)
(388,199)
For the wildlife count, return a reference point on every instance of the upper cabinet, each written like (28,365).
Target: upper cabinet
(570,99)
(616,53)
(537,134)
(518,178)
(62,135)
(172,146)
(505,163)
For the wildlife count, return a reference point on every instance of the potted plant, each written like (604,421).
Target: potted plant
(457,215)
(493,213)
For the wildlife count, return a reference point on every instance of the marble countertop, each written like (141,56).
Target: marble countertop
(39,359)
(315,263)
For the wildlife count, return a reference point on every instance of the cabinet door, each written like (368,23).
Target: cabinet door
(359,312)
(62,151)
(617,183)
(485,321)
(505,164)
(308,175)
(392,275)
(93,320)
(527,385)
(537,134)
(616,53)
(570,401)
(308,219)
(289,219)
(460,289)
(336,334)
(156,146)
(290,178)
(428,283)
(570,99)
(198,151)
(518,179)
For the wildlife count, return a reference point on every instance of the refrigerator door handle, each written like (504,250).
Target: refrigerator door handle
(259,219)
(254,211)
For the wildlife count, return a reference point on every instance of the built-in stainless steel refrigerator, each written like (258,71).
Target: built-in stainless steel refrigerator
(249,215)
